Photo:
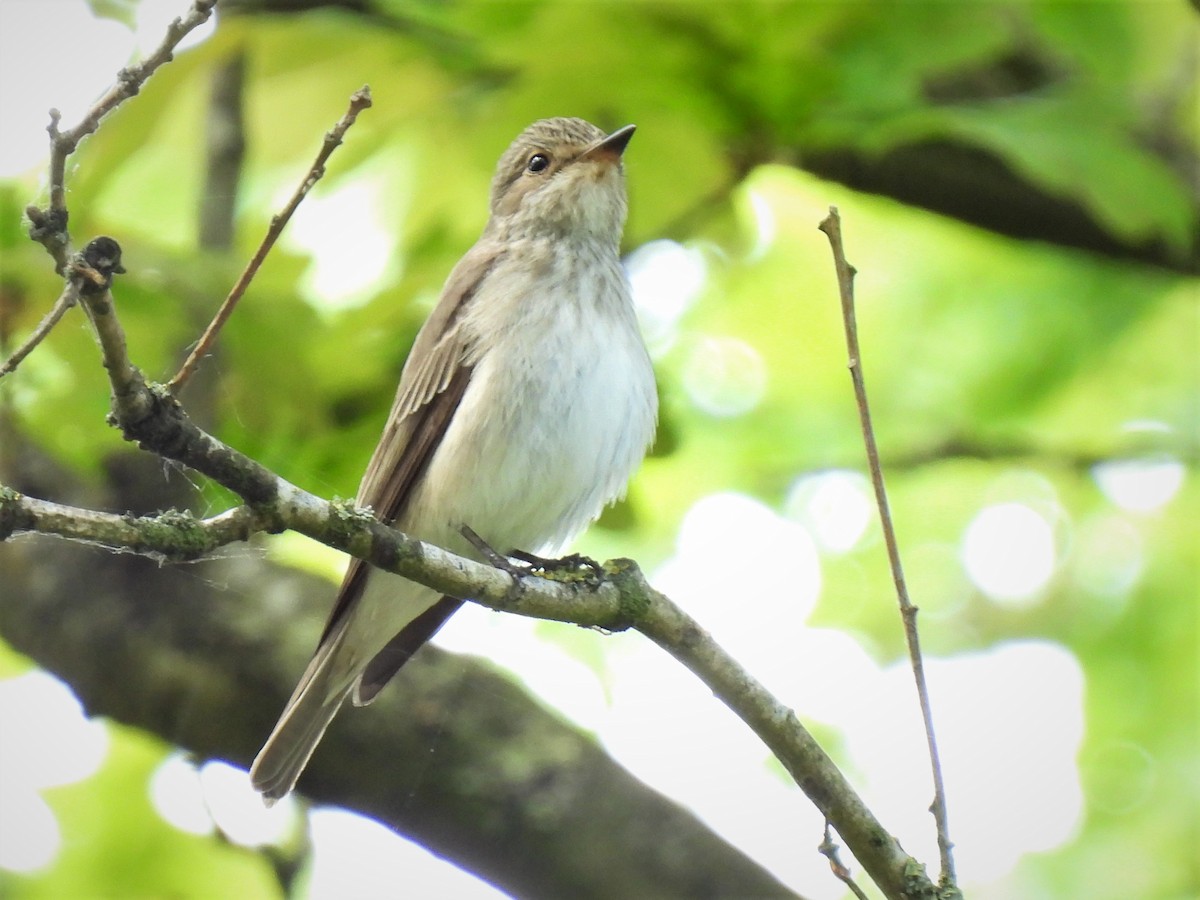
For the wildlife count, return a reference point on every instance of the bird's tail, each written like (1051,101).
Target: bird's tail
(308,713)
(383,624)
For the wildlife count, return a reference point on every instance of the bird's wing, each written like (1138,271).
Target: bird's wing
(433,382)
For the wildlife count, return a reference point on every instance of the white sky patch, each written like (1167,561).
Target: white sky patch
(350,233)
(29,834)
(518,644)
(29,87)
(176,795)
(1008,551)
(238,809)
(732,551)
(1010,720)
(1010,723)
(32,30)
(356,857)
(47,742)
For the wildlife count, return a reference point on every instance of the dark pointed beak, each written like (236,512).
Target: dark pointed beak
(611,147)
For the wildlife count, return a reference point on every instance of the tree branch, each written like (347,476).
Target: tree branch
(974,185)
(170,536)
(454,755)
(622,599)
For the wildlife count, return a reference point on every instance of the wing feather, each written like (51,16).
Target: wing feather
(432,384)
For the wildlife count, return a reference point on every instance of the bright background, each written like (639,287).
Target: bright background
(1037,410)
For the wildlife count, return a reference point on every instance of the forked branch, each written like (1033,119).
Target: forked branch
(48,226)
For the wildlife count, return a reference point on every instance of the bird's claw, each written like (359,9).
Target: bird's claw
(572,568)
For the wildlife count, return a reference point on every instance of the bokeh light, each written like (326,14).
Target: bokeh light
(1140,485)
(356,857)
(1009,552)
(177,796)
(836,507)
(665,277)
(724,376)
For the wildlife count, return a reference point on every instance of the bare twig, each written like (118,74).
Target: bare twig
(359,100)
(50,225)
(829,850)
(68,298)
(832,227)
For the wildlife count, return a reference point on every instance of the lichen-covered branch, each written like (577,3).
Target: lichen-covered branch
(169,536)
(621,599)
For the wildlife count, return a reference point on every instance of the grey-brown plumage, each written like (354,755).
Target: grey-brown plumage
(526,403)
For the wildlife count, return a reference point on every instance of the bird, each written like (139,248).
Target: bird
(526,404)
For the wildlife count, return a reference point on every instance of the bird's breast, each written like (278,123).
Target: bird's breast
(558,413)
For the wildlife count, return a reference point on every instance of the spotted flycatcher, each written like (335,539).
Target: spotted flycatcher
(525,405)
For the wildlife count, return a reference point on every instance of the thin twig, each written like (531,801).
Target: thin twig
(359,100)
(50,225)
(68,298)
(829,850)
(832,227)
(129,82)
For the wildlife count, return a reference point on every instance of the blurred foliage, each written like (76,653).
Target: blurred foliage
(999,369)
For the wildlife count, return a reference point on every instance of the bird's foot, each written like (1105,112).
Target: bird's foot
(498,561)
(573,568)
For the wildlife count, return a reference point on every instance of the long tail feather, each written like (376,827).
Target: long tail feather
(308,713)
(388,612)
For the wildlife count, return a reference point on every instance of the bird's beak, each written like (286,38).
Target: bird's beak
(611,147)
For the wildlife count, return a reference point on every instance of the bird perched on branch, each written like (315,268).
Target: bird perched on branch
(527,402)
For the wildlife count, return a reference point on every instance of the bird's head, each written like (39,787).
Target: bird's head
(562,178)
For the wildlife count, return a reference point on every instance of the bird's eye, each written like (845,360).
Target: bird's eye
(539,162)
